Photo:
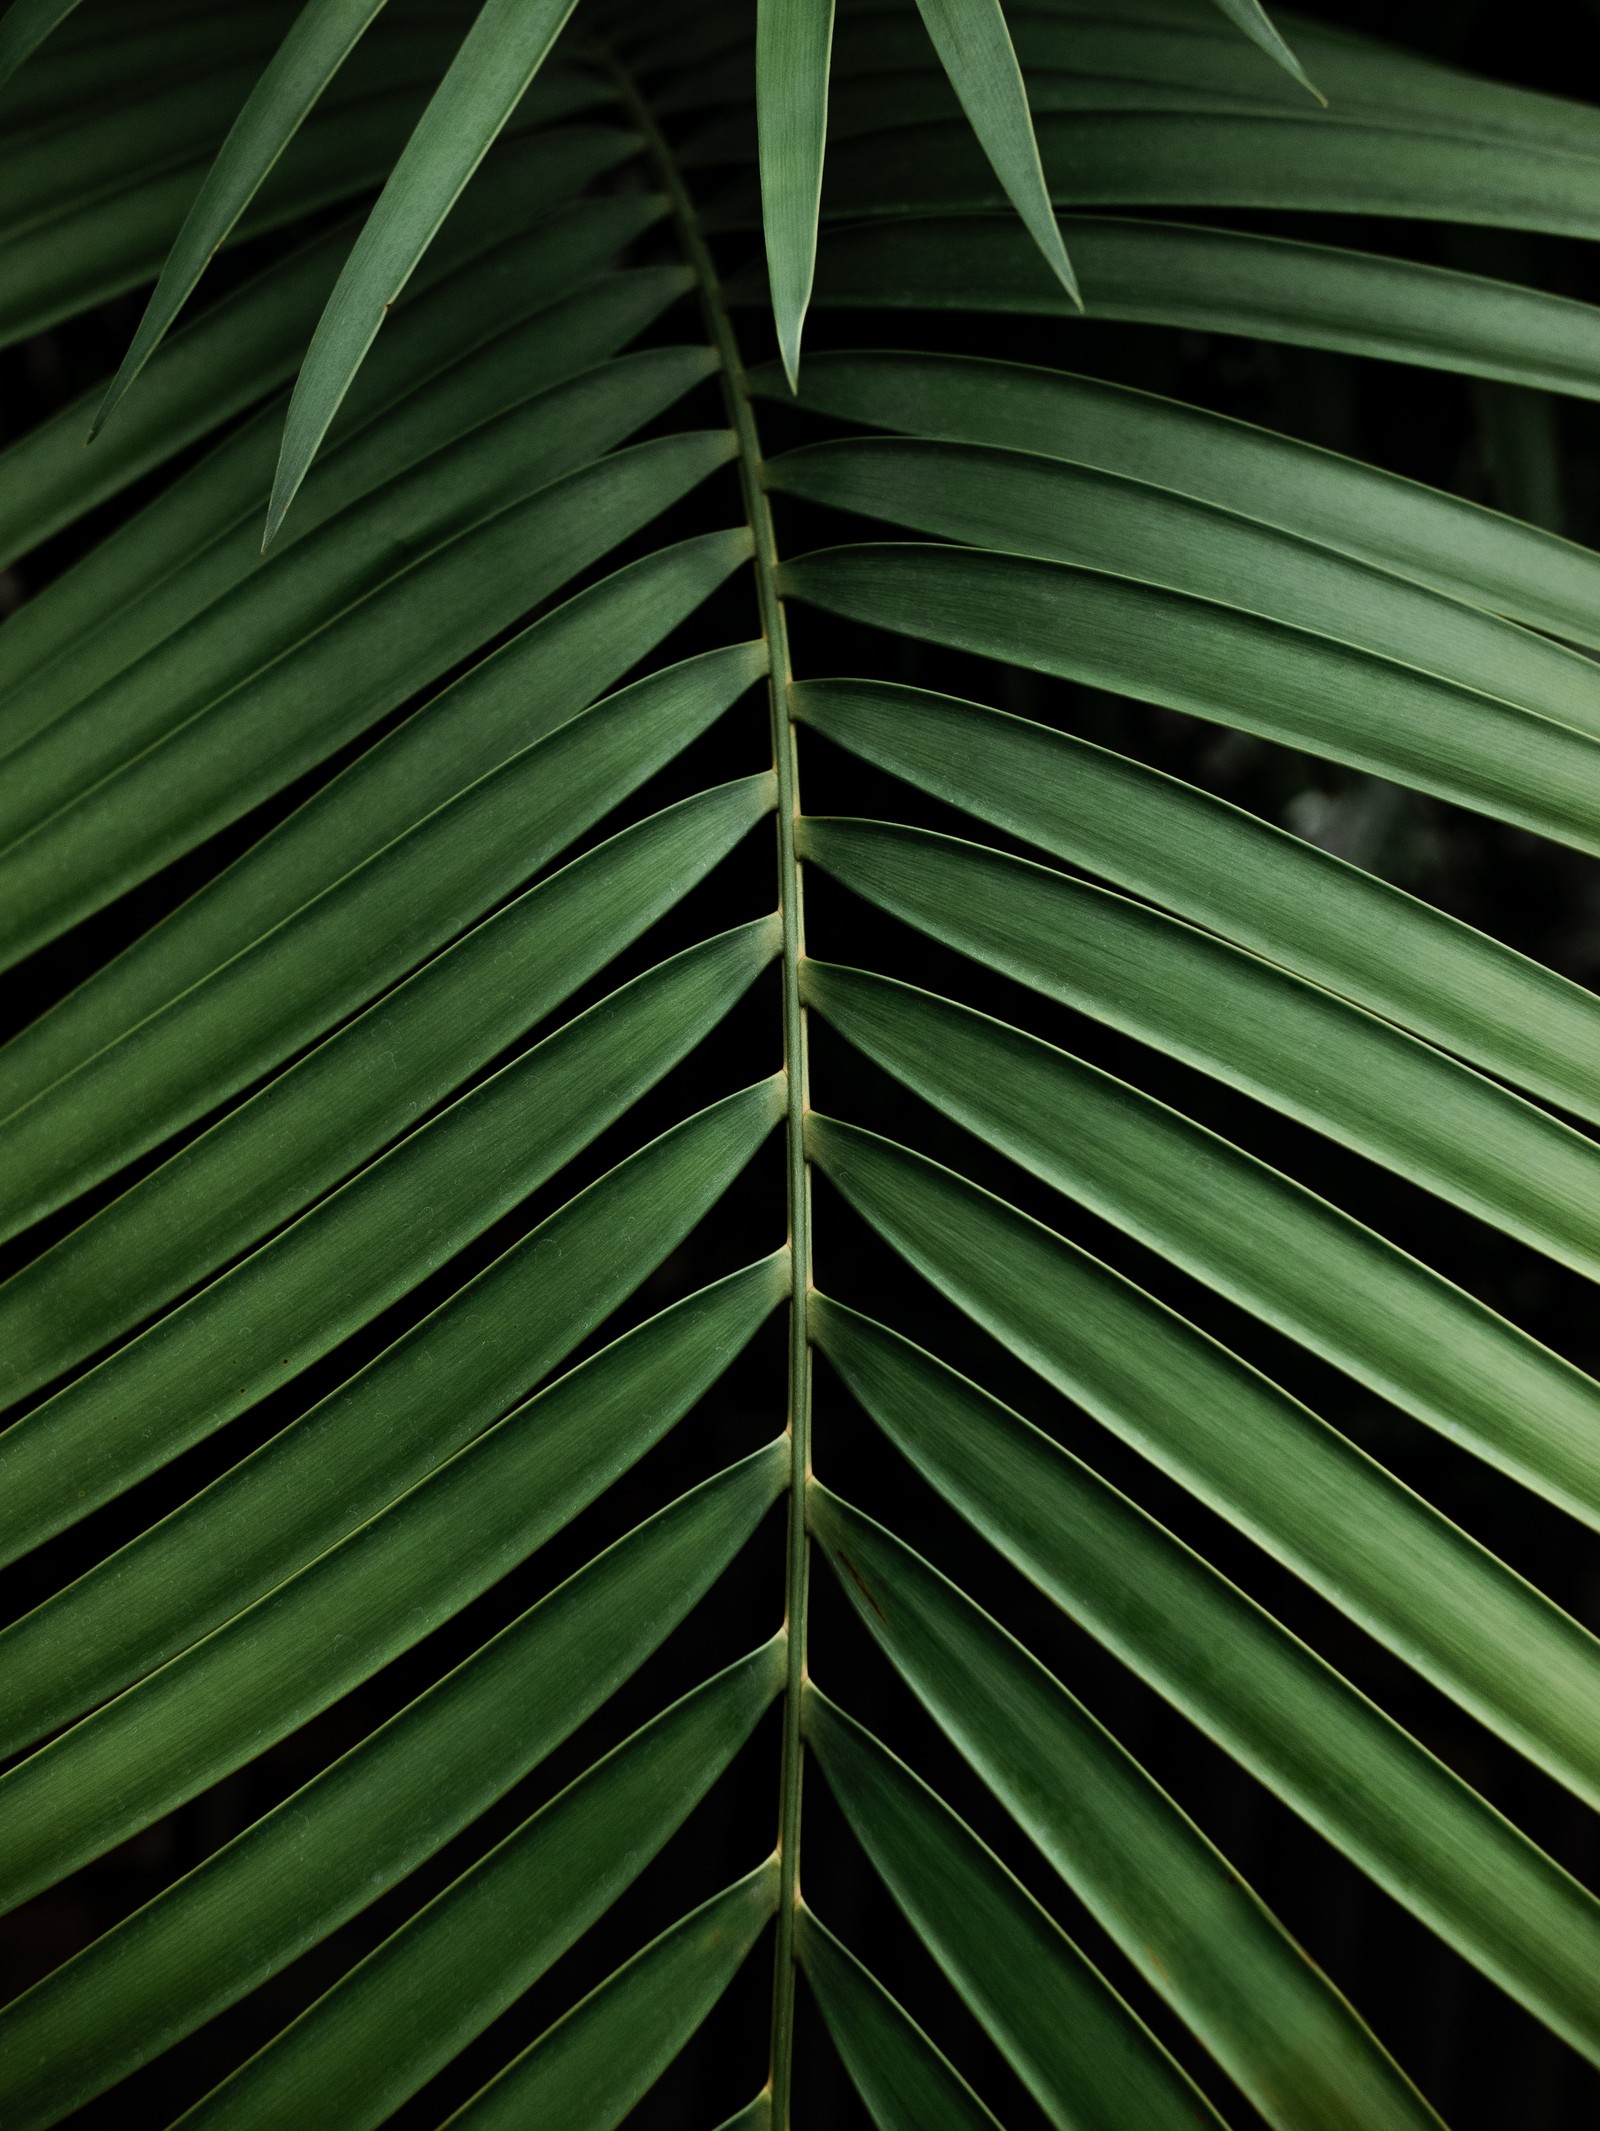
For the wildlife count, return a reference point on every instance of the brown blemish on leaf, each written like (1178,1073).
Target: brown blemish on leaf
(856,1579)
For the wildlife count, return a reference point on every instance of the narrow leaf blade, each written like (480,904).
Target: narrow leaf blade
(905,2082)
(1287,1256)
(533,685)
(1233,874)
(975,48)
(1198,1934)
(411,2005)
(1234,668)
(498,58)
(363,1444)
(376,1813)
(1333,1757)
(1071,2040)
(321,38)
(366,1245)
(1251,17)
(1220,281)
(391,1582)
(1425,533)
(1251,1025)
(1309,1497)
(794,40)
(587,2072)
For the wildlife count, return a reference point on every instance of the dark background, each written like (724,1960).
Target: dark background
(1477,2058)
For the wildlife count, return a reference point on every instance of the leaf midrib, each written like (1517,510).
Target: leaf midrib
(758,513)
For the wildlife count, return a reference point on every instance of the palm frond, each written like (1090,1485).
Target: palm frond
(409,1170)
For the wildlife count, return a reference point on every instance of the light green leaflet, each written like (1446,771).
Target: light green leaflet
(1220,281)
(324,33)
(365,1245)
(442,498)
(1084,2056)
(1173,1904)
(975,50)
(1289,1044)
(1023,504)
(500,55)
(357,1449)
(247,343)
(1422,533)
(1315,1502)
(376,1593)
(390,2023)
(196,543)
(591,2068)
(379,1810)
(437,876)
(525,691)
(226,754)
(1290,1719)
(903,2079)
(1235,875)
(116,239)
(1209,160)
(1287,1256)
(1231,666)
(213,369)
(793,46)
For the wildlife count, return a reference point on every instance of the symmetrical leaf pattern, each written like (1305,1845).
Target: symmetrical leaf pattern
(387,1401)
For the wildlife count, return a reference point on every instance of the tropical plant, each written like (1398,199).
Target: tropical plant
(399,909)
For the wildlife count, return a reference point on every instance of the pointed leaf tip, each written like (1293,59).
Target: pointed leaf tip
(789,354)
(284,491)
(498,59)
(113,395)
(794,43)
(975,49)
(1062,267)
(1252,18)
(319,40)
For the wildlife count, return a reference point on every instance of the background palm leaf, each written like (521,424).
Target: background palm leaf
(409,1166)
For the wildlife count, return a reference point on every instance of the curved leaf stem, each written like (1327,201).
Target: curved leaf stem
(741,417)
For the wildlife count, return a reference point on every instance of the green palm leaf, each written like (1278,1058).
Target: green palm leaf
(486,81)
(427,1138)
(376,2036)
(590,2068)
(168,1968)
(794,41)
(322,37)
(1137,1863)
(1251,17)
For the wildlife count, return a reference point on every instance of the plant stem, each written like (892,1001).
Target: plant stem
(774,628)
